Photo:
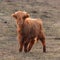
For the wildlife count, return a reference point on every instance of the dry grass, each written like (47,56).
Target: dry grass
(49,11)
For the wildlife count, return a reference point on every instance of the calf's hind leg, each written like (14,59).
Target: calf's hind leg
(30,45)
(42,39)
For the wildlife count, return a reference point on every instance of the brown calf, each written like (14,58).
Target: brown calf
(28,29)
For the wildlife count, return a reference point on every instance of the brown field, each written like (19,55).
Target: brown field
(48,11)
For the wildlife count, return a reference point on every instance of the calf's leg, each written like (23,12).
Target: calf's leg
(42,39)
(30,45)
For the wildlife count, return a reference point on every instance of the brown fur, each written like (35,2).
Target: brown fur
(28,29)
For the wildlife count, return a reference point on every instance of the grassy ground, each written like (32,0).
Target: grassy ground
(48,11)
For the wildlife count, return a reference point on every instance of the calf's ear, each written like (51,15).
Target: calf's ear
(26,15)
(14,15)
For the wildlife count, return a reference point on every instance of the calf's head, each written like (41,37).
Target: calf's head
(20,16)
